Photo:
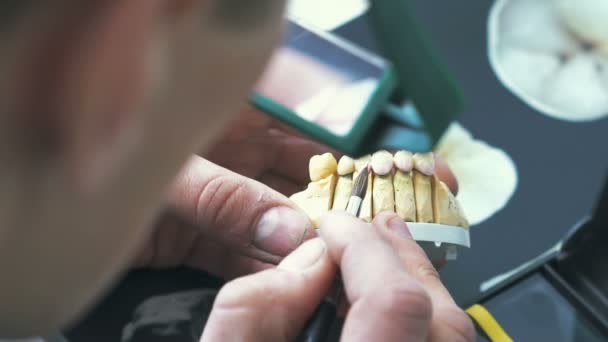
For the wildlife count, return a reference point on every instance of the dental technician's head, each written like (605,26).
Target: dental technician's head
(100,103)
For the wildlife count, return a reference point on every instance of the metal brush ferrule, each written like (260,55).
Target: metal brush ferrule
(354,204)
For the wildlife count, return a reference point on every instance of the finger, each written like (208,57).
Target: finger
(272,305)
(176,242)
(240,212)
(218,259)
(445,174)
(387,304)
(449,321)
(394,230)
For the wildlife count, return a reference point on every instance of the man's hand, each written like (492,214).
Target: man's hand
(394,292)
(225,223)
(262,148)
(229,214)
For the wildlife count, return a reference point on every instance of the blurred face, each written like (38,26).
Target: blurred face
(213,55)
(101,108)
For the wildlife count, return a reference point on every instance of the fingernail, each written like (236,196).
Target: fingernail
(305,256)
(281,230)
(399,227)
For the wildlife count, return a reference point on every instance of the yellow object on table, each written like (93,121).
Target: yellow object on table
(488,324)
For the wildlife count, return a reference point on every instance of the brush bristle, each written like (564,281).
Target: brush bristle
(360,186)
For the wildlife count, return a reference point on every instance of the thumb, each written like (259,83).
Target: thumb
(272,305)
(238,211)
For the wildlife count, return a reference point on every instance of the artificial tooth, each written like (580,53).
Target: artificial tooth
(317,199)
(446,209)
(382,163)
(425,163)
(343,191)
(424,197)
(405,202)
(404,161)
(322,166)
(346,166)
(383,198)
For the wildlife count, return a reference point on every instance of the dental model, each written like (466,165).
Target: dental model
(403,183)
(319,196)
(553,55)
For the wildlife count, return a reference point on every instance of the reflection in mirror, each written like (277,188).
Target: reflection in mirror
(331,82)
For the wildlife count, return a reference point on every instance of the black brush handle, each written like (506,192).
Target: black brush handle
(317,329)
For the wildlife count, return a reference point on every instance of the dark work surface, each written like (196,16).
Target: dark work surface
(561,165)
(534,310)
(106,322)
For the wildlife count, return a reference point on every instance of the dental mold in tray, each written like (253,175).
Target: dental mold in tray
(403,183)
